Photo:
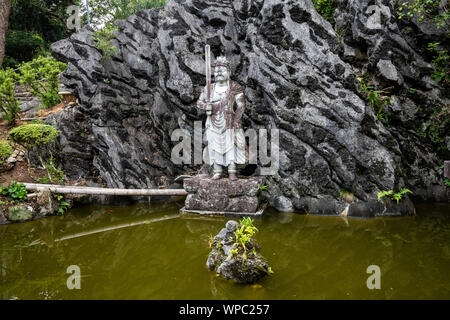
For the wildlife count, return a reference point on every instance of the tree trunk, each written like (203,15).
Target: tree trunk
(5,8)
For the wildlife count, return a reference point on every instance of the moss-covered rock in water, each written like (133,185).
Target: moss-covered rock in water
(231,261)
(20,213)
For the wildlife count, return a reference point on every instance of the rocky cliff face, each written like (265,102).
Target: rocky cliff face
(297,77)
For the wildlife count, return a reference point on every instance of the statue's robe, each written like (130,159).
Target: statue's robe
(226,140)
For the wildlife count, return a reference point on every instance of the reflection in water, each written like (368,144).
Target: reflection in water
(149,252)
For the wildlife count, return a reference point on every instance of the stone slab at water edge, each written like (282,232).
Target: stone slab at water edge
(223,196)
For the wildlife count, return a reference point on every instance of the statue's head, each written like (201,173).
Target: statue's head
(221,69)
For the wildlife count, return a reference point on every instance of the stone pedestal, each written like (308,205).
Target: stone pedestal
(223,197)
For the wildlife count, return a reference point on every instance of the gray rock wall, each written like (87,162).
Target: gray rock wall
(286,56)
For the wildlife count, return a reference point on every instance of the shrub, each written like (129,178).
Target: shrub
(9,106)
(33,135)
(41,75)
(5,151)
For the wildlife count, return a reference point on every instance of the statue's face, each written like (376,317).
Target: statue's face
(221,73)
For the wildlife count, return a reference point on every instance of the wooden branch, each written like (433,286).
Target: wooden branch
(105,191)
(125,225)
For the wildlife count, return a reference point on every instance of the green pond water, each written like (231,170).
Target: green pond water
(150,252)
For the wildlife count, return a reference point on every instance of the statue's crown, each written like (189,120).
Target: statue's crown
(222,61)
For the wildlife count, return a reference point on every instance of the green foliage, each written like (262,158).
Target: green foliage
(376,99)
(33,26)
(244,234)
(326,9)
(424,9)
(437,127)
(22,45)
(441,63)
(210,240)
(447,182)
(104,43)
(394,196)
(263,188)
(15,192)
(385,193)
(5,151)
(41,75)
(9,106)
(54,174)
(33,135)
(107,11)
(63,205)
(138,5)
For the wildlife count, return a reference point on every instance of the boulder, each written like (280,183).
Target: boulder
(20,213)
(239,268)
(45,202)
(222,196)
(288,59)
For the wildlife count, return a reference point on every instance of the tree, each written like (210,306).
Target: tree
(103,12)
(5,8)
(33,26)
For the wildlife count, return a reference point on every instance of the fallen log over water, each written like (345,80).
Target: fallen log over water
(105,191)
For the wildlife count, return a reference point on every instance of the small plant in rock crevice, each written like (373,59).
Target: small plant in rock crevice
(63,205)
(9,105)
(441,63)
(104,39)
(41,76)
(326,9)
(243,235)
(394,196)
(376,98)
(347,196)
(424,9)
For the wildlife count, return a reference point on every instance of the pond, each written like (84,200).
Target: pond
(147,251)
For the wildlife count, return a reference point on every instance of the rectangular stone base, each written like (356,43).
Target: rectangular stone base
(258,213)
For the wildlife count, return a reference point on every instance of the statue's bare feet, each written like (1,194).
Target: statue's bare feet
(216,176)
(232,176)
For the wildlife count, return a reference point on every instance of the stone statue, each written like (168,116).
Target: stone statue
(226,141)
